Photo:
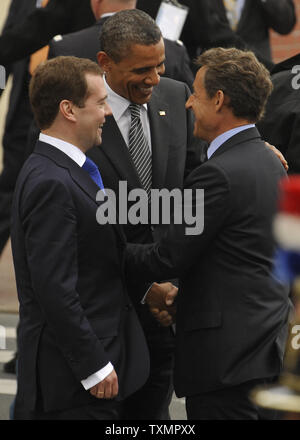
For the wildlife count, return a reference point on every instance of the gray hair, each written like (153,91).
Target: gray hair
(126,28)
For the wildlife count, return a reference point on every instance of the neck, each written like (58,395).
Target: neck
(230,125)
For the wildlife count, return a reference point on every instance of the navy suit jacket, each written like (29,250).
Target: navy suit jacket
(231,313)
(75,315)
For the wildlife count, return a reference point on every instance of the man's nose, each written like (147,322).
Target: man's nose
(188,103)
(153,78)
(108,110)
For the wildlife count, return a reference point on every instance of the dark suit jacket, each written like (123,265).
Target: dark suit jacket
(35,30)
(85,44)
(231,314)
(207,24)
(175,152)
(75,314)
(281,123)
(256,20)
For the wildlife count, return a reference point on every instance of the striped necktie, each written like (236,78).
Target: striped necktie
(231,7)
(139,148)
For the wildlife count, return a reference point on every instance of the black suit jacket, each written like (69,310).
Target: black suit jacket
(257,18)
(175,152)
(281,123)
(36,29)
(75,315)
(231,314)
(85,44)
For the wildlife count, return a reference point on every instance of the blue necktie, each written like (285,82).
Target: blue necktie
(93,171)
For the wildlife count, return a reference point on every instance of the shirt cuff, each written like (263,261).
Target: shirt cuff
(145,296)
(97,377)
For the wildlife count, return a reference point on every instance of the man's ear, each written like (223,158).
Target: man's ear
(219,100)
(104,61)
(66,109)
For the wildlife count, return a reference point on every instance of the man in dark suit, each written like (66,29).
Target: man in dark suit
(27,28)
(34,30)
(133,61)
(255,19)
(81,347)
(85,43)
(231,313)
(208,25)
(281,122)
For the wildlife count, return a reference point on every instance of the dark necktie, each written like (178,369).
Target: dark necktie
(93,171)
(139,148)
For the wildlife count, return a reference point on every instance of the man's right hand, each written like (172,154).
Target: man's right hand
(160,300)
(107,388)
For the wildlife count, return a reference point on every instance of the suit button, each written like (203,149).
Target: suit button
(128,307)
(152,228)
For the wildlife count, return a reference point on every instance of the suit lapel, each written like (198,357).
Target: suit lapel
(62,160)
(160,126)
(243,136)
(244,15)
(116,150)
(79,176)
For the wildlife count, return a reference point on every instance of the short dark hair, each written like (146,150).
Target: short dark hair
(58,79)
(126,28)
(241,77)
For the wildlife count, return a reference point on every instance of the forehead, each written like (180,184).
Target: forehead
(95,85)
(199,80)
(144,56)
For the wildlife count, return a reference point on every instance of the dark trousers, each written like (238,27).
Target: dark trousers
(232,403)
(152,401)
(101,409)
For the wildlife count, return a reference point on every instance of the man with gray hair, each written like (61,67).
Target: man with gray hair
(232,314)
(133,56)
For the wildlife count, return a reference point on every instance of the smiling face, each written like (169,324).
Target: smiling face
(91,117)
(204,109)
(136,74)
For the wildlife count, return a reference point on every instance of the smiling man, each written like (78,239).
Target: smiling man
(232,314)
(81,348)
(132,56)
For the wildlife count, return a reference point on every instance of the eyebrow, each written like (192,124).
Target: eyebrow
(103,99)
(136,69)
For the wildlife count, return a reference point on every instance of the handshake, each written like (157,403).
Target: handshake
(160,299)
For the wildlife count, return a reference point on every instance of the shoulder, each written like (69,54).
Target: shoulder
(61,43)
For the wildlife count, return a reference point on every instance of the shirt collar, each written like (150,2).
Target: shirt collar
(222,138)
(69,149)
(118,103)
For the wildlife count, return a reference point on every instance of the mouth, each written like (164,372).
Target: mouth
(146,91)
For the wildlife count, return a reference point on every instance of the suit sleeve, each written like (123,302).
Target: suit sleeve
(280,15)
(50,229)
(178,250)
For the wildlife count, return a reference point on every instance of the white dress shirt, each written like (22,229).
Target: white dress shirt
(79,157)
(122,115)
